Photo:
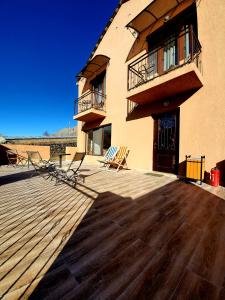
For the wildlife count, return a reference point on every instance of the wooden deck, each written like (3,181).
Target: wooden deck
(119,235)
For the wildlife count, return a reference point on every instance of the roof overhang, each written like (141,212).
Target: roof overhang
(93,66)
(152,13)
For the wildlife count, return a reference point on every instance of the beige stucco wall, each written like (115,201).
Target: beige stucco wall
(202,116)
(43,150)
(71,151)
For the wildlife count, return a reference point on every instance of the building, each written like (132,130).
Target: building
(155,83)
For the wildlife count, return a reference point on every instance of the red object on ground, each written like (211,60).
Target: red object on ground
(215,177)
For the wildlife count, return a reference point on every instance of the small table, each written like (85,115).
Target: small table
(60,155)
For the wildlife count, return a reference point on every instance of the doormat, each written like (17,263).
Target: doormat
(154,174)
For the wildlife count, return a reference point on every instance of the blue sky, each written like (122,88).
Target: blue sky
(44,43)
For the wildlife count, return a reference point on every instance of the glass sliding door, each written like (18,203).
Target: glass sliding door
(106,138)
(98,140)
(98,93)
(99,89)
(187,43)
(89,142)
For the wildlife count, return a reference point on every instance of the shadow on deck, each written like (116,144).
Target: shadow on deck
(14,177)
(167,244)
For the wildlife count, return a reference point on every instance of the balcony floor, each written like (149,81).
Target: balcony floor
(122,235)
(90,115)
(176,82)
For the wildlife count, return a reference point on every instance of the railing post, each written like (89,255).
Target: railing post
(92,98)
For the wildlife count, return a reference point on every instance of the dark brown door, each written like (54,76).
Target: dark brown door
(166,142)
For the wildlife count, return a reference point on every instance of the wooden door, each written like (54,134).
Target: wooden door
(166,142)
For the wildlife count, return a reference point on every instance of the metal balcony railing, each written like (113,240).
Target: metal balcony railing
(172,53)
(91,99)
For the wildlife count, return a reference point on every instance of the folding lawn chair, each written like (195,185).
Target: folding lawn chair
(120,159)
(21,160)
(40,165)
(12,157)
(15,159)
(71,173)
(109,155)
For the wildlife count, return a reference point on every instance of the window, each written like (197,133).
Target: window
(98,140)
(172,42)
(98,86)
(170,53)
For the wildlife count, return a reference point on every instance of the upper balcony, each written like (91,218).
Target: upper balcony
(170,69)
(90,107)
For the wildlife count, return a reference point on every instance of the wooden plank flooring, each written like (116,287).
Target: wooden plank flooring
(121,235)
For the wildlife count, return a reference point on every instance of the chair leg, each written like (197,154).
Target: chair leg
(75,183)
(56,180)
(107,166)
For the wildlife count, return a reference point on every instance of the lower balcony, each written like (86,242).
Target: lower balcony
(171,69)
(90,107)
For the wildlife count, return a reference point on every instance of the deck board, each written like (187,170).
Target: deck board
(122,235)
